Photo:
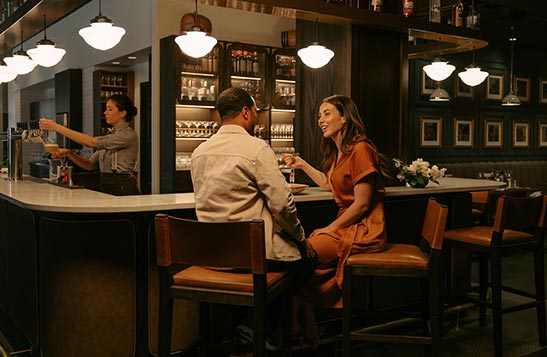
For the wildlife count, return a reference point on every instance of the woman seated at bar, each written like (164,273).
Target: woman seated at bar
(116,153)
(353,170)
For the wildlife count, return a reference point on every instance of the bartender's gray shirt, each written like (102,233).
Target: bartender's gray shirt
(236,177)
(117,151)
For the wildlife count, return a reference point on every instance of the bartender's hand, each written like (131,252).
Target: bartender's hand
(293,161)
(61,153)
(47,124)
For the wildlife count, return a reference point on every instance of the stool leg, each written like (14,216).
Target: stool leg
(483,287)
(496,303)
(346,313)
(539,272)
(165,321)
(259,328)
(286,322)
(435,312)
(204,327)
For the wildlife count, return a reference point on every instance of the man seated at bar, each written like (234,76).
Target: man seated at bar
(236,177)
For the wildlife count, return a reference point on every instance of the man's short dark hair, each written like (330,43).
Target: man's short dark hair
(231,102)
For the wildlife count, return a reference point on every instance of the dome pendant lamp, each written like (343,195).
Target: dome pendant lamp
(102,34)
(439,94)
(6,73)
(45,53)
(473,75)
(315,55)
(511,100)
(439,69)
(20,62)
(195,42)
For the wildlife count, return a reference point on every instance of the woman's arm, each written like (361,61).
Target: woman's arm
(296,162)
(80,138)
(363,197)
(79,160)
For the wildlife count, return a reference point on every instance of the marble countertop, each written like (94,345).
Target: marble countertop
(39,195)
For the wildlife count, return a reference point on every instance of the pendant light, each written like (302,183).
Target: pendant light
(45,53)
(195,42)
(439,94)
(20,62)
(102,34)
(473,75)
(511,99)
(439,69)
(6,73)
(315,55)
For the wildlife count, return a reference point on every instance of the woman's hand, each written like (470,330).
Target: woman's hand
(293,161)
(60,154)
(47,124)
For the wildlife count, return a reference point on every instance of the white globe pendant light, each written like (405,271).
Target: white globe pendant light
(102,34)
(473,75)
(195,42)
(439,69)
(6,73)
(315,55)
(45,53)
(20,62)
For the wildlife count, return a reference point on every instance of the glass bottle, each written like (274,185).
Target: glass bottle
(408,8)
(458,14)
(376,5)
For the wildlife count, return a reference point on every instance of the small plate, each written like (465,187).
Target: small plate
(297,187)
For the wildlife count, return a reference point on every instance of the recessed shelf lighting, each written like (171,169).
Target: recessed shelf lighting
(132,57)
(115,62)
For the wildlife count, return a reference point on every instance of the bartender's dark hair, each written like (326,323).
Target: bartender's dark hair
(123,102)
(352,132)
(231,102)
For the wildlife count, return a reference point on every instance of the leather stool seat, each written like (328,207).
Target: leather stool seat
(482,235)
(206,278)
(395,255)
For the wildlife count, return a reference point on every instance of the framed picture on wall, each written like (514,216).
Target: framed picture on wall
(521,134)
(430,132)
(542,134)
(493,134)
(542,91)
(522,89)
(494,87)
(427,85)
(462,90)
(463,133)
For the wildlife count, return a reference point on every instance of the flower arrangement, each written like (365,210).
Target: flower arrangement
(418,173)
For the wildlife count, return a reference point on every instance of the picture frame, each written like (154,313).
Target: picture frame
(542,92)
(542,134)
(430,132)
(522,89)
(521,134)
(493,134)
(494,87)
(427,85)
(464,133)
(462,90)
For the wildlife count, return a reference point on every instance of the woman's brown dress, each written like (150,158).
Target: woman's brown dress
(367,235)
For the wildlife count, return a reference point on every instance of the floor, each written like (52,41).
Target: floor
(465,337)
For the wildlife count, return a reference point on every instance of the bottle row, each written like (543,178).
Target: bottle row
(8,7)
(266,73)
(105,94)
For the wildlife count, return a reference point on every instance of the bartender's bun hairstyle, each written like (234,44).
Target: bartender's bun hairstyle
(231,102)
(123,102)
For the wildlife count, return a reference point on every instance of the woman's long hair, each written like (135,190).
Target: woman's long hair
(352,132)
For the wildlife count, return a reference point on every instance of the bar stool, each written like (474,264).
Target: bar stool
(409,261)
(211,250)
(479,200)
(519,224)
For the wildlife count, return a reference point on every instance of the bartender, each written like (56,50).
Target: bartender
(116,153)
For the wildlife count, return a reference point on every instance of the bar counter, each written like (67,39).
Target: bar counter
(38,194)
(77,267)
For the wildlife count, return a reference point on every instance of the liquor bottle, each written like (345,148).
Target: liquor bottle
(256,65)
(376,5)
(408,8)
(457,14)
